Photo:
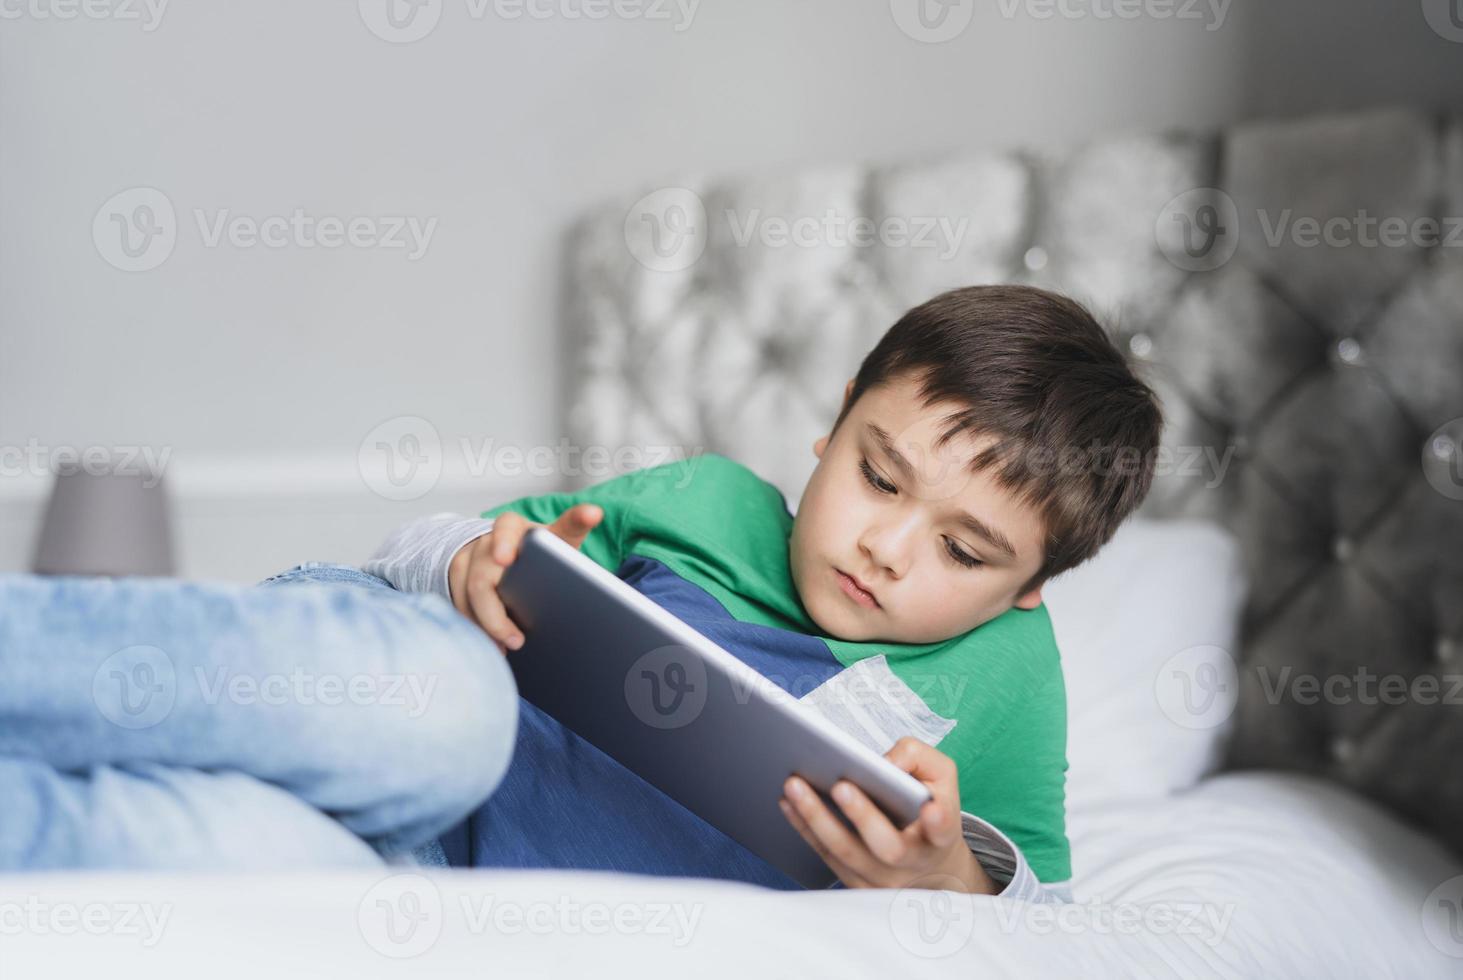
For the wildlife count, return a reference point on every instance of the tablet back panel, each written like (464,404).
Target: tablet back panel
(679,711)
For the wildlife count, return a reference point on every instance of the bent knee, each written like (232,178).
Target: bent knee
(456,737)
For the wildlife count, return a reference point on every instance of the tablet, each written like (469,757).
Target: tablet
(680,711)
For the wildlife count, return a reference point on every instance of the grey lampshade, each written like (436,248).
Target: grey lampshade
(106,523)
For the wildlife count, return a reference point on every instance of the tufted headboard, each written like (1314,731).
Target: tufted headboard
(1293,290)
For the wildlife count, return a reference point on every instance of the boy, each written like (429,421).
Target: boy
(992,439)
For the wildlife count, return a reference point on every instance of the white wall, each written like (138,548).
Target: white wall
(261,370)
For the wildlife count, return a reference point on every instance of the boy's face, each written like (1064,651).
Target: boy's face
(900,531)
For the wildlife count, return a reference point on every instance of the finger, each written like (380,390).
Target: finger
(930,766)
(937,826)
(846,874)
(508,531)
(575,523)
(487,607)
(840,842)
(880,836)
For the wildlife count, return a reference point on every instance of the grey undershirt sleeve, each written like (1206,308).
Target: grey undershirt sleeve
(417,555)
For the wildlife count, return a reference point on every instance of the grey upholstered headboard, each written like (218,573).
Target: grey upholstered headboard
(1303,322)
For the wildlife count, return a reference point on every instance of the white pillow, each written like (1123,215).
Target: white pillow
(1147,632)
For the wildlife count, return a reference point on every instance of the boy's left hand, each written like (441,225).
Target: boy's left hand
(929,853)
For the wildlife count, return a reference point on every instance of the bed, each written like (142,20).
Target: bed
(1179,870)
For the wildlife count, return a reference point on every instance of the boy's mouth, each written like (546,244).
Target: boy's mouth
(856,591)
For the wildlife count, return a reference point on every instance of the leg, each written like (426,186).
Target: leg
(150,817)
(387,711)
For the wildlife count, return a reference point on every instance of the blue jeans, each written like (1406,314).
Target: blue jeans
(319,719)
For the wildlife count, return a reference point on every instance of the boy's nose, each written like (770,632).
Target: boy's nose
(889,549)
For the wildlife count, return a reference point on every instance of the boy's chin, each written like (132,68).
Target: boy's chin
(845,625)
(840,627)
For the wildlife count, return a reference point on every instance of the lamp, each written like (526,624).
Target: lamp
(104,521)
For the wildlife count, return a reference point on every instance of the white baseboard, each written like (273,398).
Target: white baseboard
(243,519)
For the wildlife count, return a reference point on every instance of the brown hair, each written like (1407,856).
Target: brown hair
(1076,431)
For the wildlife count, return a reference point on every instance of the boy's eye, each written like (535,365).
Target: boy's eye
(874,480)
(959,554)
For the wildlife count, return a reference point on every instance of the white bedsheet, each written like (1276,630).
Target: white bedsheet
(1246,875)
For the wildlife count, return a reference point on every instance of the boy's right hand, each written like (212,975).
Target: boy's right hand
(477,568)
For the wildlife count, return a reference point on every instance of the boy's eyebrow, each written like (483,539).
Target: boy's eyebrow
(991,535)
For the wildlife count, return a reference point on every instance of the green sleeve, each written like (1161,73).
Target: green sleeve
(1018,783)
(686,491)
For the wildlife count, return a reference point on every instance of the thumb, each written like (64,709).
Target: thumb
(575,523)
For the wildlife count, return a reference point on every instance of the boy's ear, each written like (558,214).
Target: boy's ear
(822,442)
(1029,600)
